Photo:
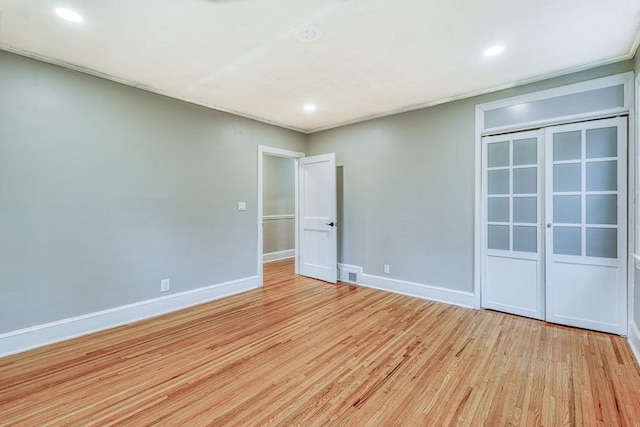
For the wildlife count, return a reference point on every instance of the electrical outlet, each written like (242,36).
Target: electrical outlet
(165,285)
(242,206)
(386,269)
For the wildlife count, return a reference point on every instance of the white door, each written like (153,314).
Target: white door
(512,266)
(554,215)
(586,233)
(318,247)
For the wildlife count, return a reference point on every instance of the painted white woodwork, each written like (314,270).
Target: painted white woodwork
(278,217)
(318,213)
(586,233)
(61,330)
(512,276)
(279,255)
(404,287)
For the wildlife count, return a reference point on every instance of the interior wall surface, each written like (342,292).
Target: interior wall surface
(106,189)
(278,199)
(409,186)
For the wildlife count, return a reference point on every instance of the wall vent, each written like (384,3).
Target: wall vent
(349,273)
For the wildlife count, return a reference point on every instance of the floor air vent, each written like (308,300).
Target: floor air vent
(349,273)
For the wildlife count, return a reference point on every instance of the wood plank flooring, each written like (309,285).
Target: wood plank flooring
(303,352)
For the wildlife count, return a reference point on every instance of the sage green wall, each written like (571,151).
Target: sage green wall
(278,199)
(408,187)
(105,190)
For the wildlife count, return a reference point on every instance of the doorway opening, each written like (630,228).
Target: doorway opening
(277,206)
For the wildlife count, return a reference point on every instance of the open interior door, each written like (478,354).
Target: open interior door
(318,248)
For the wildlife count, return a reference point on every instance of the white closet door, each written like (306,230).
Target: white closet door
(586,233)
(512,275)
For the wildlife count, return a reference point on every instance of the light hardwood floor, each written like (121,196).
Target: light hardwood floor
(304,352)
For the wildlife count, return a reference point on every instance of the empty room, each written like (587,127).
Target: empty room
(319,212)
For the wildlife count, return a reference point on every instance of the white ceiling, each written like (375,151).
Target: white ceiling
(372,57)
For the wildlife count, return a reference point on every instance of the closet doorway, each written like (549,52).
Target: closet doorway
(554,224)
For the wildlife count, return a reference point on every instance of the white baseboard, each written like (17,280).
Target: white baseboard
(634,340)
(276,256)
(48,333)
(418,290)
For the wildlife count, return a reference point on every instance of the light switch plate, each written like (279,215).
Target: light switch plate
(242,206)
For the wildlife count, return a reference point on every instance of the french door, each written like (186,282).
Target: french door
(512,270)
(554,224)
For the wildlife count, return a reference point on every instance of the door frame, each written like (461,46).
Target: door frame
(626,79)
(264,150)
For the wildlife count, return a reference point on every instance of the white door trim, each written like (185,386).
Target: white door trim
(264,150)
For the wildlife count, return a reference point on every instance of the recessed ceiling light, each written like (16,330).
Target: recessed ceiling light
(69,14)
(309,107)
(494,50)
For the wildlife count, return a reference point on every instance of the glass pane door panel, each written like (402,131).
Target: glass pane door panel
(498,154)
(602,242)
(567,177)
(567,241)
(602,142)
(498,237)
(602,176)
(525,152)
(567,146)
(498,209)
(498,181)
(525,181)
(602,209)
(525,209)
(525,239)
(567,209)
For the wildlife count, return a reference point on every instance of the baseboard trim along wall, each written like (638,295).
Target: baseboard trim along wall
(276,256)
(403,287)
(634,340)
(49,333)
